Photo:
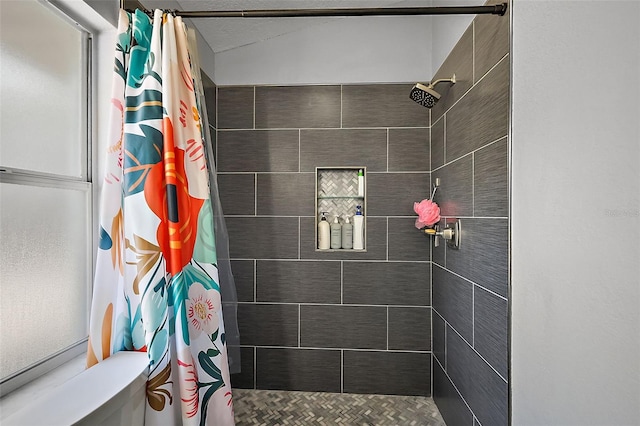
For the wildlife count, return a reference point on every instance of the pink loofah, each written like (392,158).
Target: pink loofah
(428,213)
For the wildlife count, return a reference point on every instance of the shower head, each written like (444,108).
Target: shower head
(426,95)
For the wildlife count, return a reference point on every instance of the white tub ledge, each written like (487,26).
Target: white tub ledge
(109,393)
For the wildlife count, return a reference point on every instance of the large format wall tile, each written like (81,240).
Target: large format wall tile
(243,276)
(406,242)
(386,283)
(263,237)
(409,329)
(491,180)
(297,106)
(409,150)
(387,373)
(484,254)
(381,105)
(437,144)
(453,299)
(310,370)
(343,148)
(460,63)
(333,326)
(490,321)
(298,281)
(482,116)
(286,194)
(491,40)
(376,242)
(235,107)
(455,193)
(245,378)
(268,324)
(258,151)
(453,409)
(393,194)
(237,193)
(438,328)
(485,392)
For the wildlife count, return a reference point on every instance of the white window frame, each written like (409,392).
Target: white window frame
(84,183)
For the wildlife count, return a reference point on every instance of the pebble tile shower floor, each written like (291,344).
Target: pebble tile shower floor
(266,407)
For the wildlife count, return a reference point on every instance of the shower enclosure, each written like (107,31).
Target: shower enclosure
(402,318)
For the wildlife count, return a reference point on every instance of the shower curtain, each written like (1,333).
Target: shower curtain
(157,284)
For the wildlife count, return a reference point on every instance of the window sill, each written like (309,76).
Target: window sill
(19,398)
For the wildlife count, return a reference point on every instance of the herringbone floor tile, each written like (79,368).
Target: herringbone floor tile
(266,407)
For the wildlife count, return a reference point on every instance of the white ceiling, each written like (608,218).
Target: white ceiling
(228,33)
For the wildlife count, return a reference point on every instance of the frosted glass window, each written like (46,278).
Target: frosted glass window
(44,276)
(43,84)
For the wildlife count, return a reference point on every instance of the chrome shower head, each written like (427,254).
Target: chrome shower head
(426,95)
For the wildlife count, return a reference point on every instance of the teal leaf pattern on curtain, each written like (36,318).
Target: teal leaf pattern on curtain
(156,287)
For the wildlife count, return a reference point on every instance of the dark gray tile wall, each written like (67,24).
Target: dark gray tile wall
(381,105)
(469,153)
(387,373)
(450,404)
(343,148)
(386,283)
(297,106)
(310,370)
(485,392)
(280,194)
(393,194)
(409,150)
(298,282)
(334,326)
(320,321)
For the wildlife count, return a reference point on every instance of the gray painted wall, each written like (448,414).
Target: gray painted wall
(469,153)
(314,321)
(576,213)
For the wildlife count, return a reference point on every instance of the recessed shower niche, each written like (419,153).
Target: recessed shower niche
(341,203)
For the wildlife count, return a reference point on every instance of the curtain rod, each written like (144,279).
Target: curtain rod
(498,9)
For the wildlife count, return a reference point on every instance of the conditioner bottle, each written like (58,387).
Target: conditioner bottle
(336,234)
(347,234)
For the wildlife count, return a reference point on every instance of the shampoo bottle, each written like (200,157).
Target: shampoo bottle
(347,234)
(323,233)
(336,234)
(358,229)
(360,183)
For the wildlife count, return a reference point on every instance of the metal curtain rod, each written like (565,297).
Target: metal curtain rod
(498,9)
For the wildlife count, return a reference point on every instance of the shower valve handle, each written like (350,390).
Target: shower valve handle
(450,234)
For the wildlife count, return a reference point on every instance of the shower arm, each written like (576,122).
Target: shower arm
(451,80)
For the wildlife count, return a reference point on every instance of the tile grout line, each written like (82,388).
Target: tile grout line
(336,348)
(255,280)
(255,367)
(255,195)
(254,107)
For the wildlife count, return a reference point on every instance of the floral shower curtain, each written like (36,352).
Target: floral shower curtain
(156,287)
